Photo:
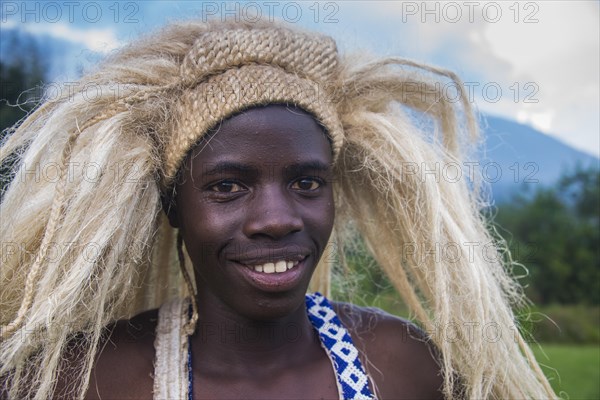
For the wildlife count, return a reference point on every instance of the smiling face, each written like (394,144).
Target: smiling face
(255,209)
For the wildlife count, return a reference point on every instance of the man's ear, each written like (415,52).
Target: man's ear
(170,207)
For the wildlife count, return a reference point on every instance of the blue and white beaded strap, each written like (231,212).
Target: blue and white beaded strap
(353,381)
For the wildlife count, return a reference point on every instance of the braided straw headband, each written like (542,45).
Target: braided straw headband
(231,71)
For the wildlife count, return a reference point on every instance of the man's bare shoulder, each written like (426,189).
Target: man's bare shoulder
(123,366)
(398,355)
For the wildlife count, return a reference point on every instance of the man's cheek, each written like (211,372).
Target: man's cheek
(201,251)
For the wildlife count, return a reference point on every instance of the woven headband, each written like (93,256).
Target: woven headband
(234,70)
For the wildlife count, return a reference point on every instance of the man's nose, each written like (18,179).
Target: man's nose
(273,213)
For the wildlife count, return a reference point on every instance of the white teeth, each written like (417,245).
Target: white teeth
(276,267)
(281,266)
(269,268)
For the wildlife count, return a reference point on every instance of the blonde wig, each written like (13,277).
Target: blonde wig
(85,241)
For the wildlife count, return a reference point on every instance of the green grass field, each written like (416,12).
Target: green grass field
(573,371)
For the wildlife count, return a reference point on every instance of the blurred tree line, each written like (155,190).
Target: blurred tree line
(22,76)
(16,94)
(555,233)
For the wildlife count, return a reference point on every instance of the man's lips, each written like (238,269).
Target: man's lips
(274,278)
(273,265)
(265,256)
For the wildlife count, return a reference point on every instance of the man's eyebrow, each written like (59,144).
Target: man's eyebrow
(211,169)
(312,165)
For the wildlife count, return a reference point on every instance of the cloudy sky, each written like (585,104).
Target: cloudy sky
(536,62)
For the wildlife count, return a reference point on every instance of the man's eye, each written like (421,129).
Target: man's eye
(226,187)
(306,184)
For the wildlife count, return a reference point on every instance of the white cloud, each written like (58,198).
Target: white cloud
(546,67)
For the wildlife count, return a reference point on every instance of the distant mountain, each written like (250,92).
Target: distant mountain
(517,157)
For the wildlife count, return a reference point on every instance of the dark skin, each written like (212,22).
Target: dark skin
(258,191)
